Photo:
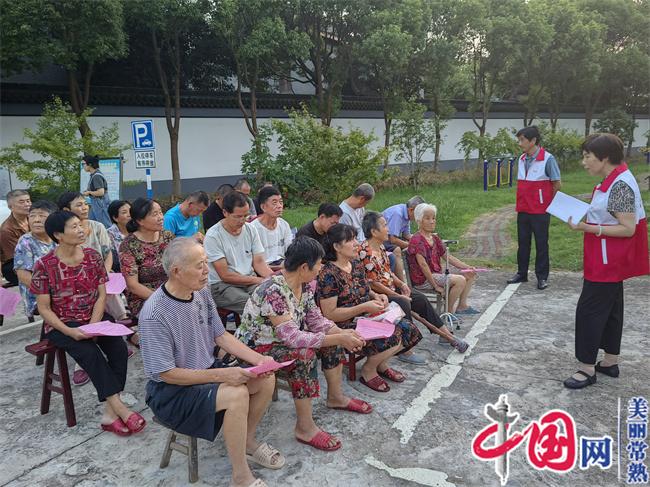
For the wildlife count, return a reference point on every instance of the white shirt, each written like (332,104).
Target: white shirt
(353,217)
(276,241)
(238,250)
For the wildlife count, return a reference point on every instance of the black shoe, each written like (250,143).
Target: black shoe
(611,371)
(572,383)
(542,284)
(517,278)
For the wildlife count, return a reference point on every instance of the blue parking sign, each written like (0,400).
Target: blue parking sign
(142,131)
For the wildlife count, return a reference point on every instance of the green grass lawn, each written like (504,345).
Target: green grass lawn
(461,202)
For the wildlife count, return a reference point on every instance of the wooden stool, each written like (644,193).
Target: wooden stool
(284,385)
(53,354)
(189,449)
(351,364)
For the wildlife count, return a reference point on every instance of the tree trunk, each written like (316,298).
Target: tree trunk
(388,122)
(628,151)
(588,119)
(79,100)
(176,171)
(436,159)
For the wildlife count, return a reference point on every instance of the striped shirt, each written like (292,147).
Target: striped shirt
(177,333)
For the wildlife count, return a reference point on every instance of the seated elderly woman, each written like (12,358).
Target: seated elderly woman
(413,302)
(69,284)
(189,390)
(281,319)
(141,254)
(344,294)
(425,254)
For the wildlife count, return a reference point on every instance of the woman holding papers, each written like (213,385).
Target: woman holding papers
(281,319)
(344,294)
(382,280)
(69,284)
(615,249)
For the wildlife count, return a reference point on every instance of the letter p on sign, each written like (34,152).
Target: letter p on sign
(142,131)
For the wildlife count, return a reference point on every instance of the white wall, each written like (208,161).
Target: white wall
(211,147)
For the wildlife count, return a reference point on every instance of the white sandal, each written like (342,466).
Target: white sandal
(264,456)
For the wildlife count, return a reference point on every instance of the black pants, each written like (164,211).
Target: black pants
(599,320)
(420,304)
(103,358)
(529,224)
(9,273)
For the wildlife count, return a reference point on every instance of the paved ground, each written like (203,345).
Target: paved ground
(419,434)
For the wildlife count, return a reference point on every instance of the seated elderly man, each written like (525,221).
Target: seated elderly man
(183,219)
(354,208)
(14,227)
(189,390)
(235,255)
(274,231)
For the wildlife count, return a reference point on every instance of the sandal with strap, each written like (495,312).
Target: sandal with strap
(356,406)
(256,483)
(267,457)
(135,422)
(117,427)
(376,384)
(321,441)
(392,374)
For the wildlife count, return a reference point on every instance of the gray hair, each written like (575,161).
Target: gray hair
(364,190)
(370,222)
(415,201)
(423,208)
(176,252)
(16,193)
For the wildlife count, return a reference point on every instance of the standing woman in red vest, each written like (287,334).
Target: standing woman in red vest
(538,179)
(615,249)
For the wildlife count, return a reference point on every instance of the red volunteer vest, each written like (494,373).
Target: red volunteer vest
(534,188)
(614,259)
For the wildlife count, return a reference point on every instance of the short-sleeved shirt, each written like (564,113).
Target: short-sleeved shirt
(431,253)
(73,290)
(276,241)
(180,226)
(353,217)
(552,170)
(143,259)
(177,333)
(350,288)
(274,297)
(97,181)
(10,232)
(397,219)
(238,250)
(376,265)
(116,237)
(621,199)
(212,215)
(98,239)
(308,230)
(28,250)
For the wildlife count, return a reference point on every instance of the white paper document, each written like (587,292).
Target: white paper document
(564,206)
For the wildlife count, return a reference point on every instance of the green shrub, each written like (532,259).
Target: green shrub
(618,122)
(502,144)
(315,162)
(564,144)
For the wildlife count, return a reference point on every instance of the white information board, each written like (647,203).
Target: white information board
(111,169)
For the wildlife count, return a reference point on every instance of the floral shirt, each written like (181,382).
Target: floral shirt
(73,290)
(116,237)
(350,289)
(28,250)
(144,260)
(377,265)
(274,297)
(431,253)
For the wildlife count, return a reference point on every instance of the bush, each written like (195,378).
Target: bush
(564,144)
(315,162)
(502,144)
(58,148)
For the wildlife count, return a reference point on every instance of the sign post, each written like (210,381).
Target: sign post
(144,148)
(149,188)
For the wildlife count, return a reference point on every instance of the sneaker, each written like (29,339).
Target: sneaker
(413,359)
(468,311)
(460,345)
(80,377)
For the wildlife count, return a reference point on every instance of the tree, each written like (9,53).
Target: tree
(59,147)
(616,121)
(172,27)
(75,34)
(389,56)
(260,45)
(413,137)
(333,27)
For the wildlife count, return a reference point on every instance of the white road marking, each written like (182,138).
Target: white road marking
(421,405)
(21,327)
(422,476)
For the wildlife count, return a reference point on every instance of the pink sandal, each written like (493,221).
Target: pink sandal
(135,423)
(321,440)
(356,406)
(117,427)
